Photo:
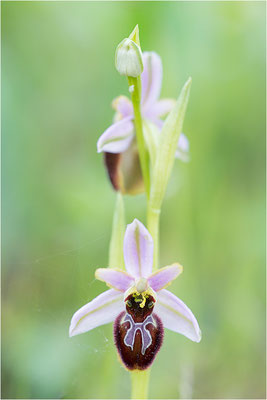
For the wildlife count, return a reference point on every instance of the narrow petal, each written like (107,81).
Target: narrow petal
(115,278)
(164,276)
(138,250)
(176,316)
(102,310)
(161,108)
(182,151)
(123,106)
(151,78)
(117,138)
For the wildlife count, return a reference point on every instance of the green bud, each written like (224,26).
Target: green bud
(128,56)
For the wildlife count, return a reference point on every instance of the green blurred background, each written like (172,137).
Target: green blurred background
(58,80)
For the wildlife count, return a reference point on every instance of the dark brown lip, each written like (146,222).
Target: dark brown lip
(112,162)
(133,358)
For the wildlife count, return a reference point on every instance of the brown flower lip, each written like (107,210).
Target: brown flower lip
(124,171)
(138,356)
(112,162)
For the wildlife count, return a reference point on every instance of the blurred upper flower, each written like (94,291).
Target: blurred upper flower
(118,141)
(138,327)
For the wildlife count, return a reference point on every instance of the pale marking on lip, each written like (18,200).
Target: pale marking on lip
(129,338)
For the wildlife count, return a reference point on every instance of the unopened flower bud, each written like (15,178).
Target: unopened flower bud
(128,58)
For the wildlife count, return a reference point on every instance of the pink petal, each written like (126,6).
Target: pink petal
(138,250)
(123,106)
(176,316)
(117,138)
(151,79)
(115,278)
(102,310)
(182,151)
(164,276)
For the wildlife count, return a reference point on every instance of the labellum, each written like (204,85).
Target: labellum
(124,170)
(138,332)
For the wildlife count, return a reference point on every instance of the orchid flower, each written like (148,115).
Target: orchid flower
(138,303)
(118,142)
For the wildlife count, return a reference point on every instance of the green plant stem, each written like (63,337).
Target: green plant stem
(118,229)
(140,381)
(135,85)
(153,217)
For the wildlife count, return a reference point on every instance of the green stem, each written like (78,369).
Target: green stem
(135,85)
(118,229)
(140,381)
(153,216)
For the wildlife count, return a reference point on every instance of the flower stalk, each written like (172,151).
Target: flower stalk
(117,234)
(135,89)
(153,217)
(140,384)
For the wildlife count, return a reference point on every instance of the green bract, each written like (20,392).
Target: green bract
(170,133)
